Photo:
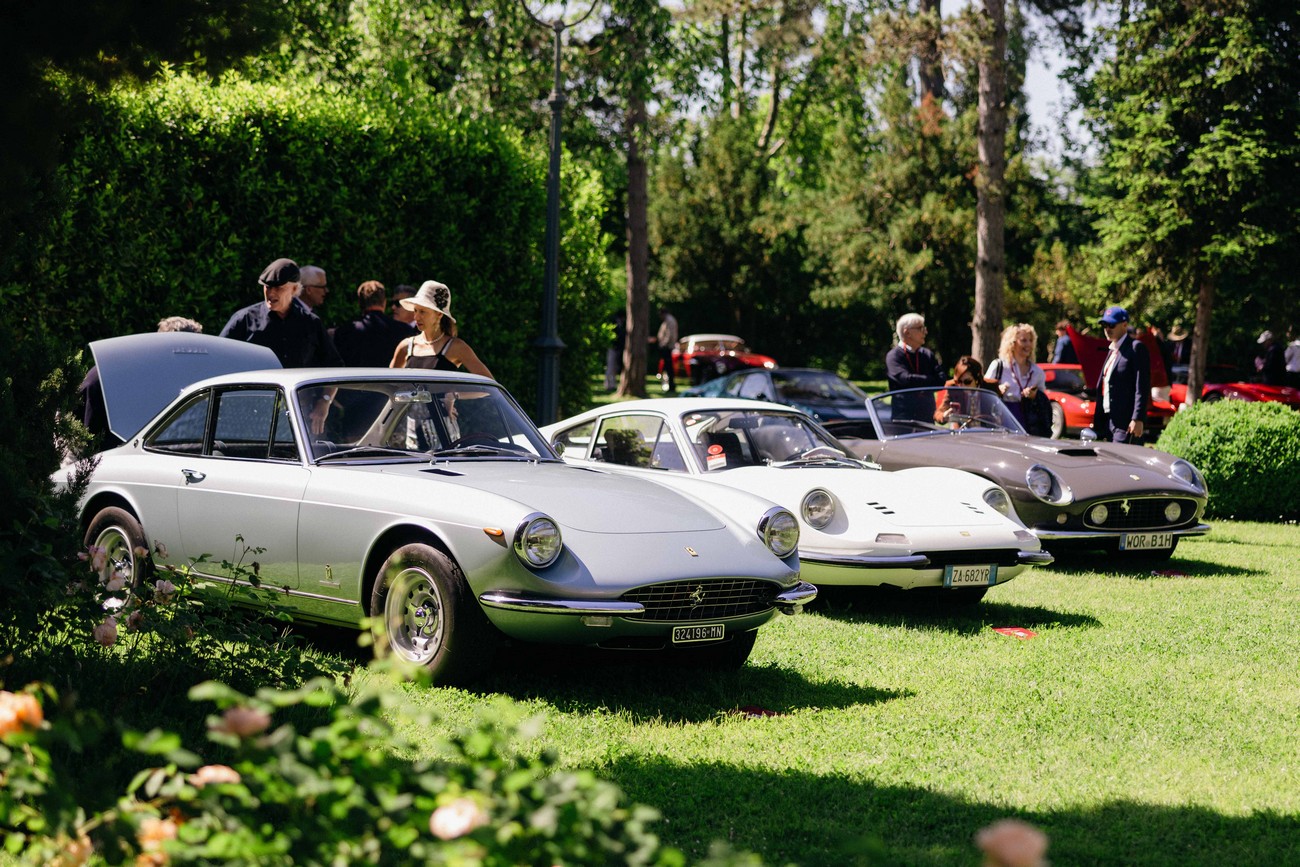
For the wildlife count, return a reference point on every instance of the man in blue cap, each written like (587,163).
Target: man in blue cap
(1124,387)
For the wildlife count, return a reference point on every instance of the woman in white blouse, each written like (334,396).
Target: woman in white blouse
(1017,378)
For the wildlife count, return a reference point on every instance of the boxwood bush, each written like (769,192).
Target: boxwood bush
(1249,454)
(173,197)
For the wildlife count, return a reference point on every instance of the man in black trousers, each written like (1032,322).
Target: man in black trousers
(1124,389)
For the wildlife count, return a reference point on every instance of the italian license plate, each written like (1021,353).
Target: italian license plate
(703,632)
(1146,541)
(970,576)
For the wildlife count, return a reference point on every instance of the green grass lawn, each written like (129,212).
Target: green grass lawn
(1152,720)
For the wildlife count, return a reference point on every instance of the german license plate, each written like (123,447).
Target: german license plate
(1145,541)
(970,576)
(703,632)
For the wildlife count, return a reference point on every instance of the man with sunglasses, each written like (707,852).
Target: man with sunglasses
(1124,387)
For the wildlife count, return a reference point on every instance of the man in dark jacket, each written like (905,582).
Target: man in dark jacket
(1124,387)
(370,340)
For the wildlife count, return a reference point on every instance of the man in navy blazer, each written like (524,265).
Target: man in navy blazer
(1125,384)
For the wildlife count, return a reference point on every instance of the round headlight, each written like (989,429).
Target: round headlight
(998,500)
(779,530)
(1172,512)
(537,541)
(1187,474)
(1045,485)
(1099,514)
(818,508)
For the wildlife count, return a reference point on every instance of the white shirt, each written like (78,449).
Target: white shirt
(1106,371)
(1292,356)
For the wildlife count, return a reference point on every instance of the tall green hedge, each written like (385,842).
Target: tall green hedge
(1249,454)
(172,198)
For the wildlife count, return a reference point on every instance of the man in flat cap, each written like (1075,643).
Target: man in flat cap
(290,330)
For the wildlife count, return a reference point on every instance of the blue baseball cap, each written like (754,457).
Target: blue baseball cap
(1114,315)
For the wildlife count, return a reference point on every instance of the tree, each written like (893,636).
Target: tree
(1201,169)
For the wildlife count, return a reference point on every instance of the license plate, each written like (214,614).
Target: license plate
(1146,541)
(969,576)
(704,632)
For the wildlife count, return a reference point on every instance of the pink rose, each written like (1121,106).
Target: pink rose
(457,819)
(106,632)
(244,721)
(1012,843)
(214,774)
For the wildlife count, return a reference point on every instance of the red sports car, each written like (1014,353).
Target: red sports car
(1223,383)
(1073,407)
(701,357)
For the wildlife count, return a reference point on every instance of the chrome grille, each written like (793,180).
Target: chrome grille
(707,599)
(1140,514)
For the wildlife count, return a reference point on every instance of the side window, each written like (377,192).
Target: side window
(573,442)
(284,446)
(183,432)
(755,387)
(638,441)
(245,419)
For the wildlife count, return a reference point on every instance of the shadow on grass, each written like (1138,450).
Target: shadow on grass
(807,819)
(886,607)
(1089,563)
(645,687)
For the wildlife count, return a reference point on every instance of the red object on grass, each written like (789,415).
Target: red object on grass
(1015,632)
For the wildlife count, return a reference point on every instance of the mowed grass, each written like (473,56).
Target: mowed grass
(1153,719)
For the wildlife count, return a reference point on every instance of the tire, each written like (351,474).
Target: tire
(427,615)
(729,655)
(1058,421)
(119,533)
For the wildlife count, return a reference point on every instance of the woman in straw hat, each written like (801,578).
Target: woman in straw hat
(436,347)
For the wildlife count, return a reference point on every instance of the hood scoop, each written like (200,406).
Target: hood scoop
(1085,452)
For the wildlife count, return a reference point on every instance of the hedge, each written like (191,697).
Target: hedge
(173,197)
(1249,454)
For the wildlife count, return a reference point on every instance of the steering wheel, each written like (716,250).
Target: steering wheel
(476,438)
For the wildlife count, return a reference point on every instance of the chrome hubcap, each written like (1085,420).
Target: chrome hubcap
(413,615)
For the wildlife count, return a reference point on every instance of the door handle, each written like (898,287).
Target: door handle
(193,476)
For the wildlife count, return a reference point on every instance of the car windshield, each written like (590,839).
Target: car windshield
(941,412)
(401,419)
(816,385)
(1067,380)
(726,439)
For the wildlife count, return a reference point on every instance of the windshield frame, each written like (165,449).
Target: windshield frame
(991,417)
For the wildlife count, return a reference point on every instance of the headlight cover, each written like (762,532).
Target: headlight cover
(998,500)
(537,541)
(779,530)
(1047,486)
(818,508)
(1187,474)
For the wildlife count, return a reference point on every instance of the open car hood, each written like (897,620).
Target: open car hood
(142,373)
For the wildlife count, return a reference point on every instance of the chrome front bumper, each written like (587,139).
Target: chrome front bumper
(788,601)
(1050,535)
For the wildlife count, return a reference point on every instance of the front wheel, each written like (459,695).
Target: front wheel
(427,615)
(119,533)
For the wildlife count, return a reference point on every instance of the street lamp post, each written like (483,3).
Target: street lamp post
(550,344)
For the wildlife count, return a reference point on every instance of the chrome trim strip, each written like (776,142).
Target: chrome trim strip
(1066,535)
(867,561)
(1036,558)
(286,591)
(512,601)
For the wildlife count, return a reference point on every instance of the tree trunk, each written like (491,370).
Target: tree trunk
(1200,338)
(928,59)
(632,383)
(990,211)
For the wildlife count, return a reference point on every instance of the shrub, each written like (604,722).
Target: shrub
(350,790)
(1249,454)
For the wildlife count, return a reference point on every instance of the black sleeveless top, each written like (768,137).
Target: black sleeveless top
(430,362)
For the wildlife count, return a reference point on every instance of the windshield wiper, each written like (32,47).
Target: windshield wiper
(378,451)
(818,461)
(482,450)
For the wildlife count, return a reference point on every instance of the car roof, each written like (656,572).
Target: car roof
(697,337)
